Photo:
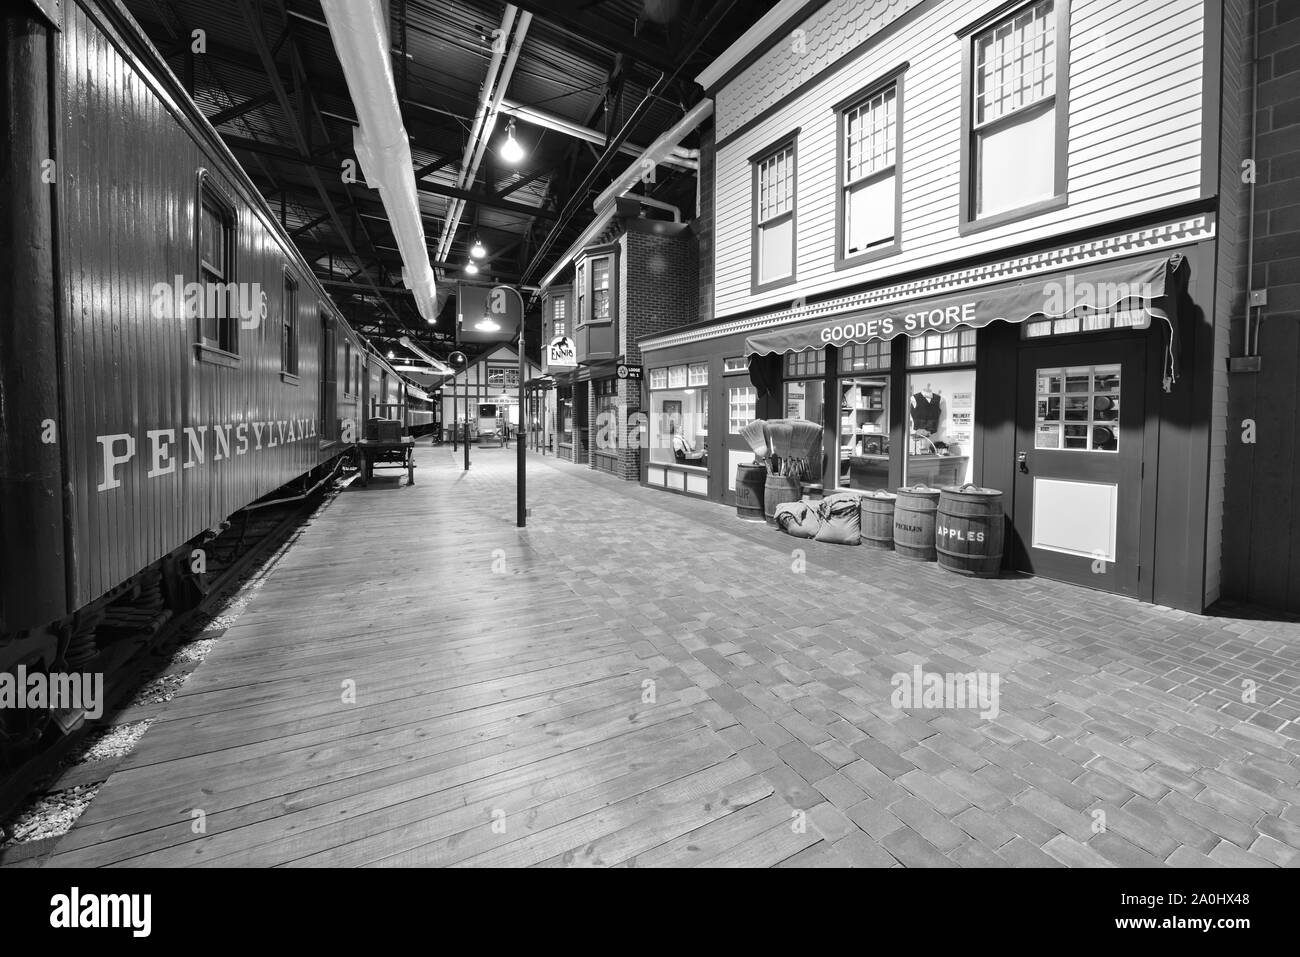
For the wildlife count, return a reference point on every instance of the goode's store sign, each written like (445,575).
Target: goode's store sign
(884,328)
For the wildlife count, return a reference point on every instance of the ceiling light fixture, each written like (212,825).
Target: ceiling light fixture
(511,151)
(471,267)
(486,324)
(478,251)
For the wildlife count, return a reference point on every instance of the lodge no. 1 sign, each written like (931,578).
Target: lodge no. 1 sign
(628,372)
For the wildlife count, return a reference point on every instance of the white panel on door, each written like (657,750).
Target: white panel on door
(1077,518)
(697,484)
(736,457)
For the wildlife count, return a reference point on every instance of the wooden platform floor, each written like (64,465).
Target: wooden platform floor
(639,679)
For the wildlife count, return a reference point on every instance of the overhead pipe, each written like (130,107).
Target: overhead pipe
(441,368)
(480,114)
(468,175)
(656,153)
(359,29)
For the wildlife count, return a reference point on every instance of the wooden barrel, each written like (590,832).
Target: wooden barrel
(778,489)
(914,513)
(749,491)
(969,531)
(878,519)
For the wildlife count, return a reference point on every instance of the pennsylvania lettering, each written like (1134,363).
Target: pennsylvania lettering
(192,450)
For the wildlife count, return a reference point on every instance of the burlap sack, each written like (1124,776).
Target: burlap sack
(839,519)
(797,519)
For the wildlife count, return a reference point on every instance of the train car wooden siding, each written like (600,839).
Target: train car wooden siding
(164,422)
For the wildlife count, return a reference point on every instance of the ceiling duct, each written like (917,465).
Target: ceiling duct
(359,29)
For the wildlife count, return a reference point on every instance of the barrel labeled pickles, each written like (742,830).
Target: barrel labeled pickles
(914,517)
(878,519)
(969,531)
(749,491)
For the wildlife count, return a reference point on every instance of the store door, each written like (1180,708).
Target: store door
(1078,478)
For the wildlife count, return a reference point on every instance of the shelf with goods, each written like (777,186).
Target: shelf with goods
(864,421)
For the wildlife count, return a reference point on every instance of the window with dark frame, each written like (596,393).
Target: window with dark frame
(601,288)
(774,217)
(869,147)
(347,368)
(289,327)
(1014,121)
(218,322)
(559,315)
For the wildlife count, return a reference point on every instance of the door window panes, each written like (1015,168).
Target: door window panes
(742,401)
(1077,409)
(864,433)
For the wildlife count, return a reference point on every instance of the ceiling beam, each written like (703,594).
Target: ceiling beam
(596,30)
(239,109)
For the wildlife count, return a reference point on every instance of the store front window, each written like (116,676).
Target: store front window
(679,409)
(607,421)
(941,409)
(564,414)
(864,416)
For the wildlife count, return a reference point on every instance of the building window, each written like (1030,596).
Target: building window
(697,373)
(735,365)
(857,356)
(289,327)
(679,422)
(864,432)
(942,348)
(941,427)
(742,405)
(659,378)
(559,314)
(809,363)
(870,142)
(605,394)
(1014,121)
(580,284)
(601,289)
(1127,316)
(774,217)
(218,321)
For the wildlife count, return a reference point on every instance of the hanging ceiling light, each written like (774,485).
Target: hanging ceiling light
(478,251)
(391,355)
(511,151)
(471,267)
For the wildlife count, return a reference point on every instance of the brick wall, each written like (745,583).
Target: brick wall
(1261,506)
(662,289)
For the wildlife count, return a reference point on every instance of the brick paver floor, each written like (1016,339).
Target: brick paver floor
(640,678)
(1122,736)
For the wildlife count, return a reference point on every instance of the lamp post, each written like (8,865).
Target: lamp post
(454,359)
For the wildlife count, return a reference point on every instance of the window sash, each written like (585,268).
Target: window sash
(870,136)
(289,329)
(870,212)
(776,185)
(1014,63)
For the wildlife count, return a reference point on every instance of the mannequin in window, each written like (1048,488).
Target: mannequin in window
(683,450)
(927,407)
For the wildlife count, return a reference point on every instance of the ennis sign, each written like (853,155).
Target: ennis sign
(561,353)
(889,326)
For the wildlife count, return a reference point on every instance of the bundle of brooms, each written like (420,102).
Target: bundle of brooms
(788,447)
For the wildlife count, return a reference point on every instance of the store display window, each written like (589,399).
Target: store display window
(679,416)
(941,427)
(864,432)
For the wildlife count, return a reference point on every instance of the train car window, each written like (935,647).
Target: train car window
(289,326)
(218,306)
(347,368)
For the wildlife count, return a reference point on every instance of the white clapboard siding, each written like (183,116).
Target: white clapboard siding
(1134,146)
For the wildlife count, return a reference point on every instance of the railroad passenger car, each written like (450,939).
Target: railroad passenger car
(168,356)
